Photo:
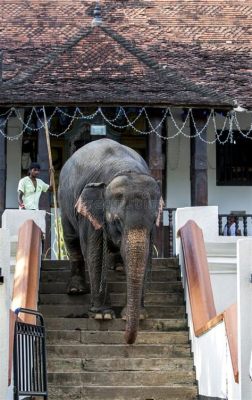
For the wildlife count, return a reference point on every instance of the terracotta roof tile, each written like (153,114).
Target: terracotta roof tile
(193,52)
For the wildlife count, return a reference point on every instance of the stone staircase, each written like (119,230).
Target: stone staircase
(88,359)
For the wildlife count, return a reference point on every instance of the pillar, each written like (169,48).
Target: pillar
(198,169)
(156,166)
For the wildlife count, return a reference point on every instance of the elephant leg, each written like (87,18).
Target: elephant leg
(77,282)
(100,300)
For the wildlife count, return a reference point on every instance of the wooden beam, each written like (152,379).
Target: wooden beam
(156,166)
(198,170)
(231,322)
(198,278)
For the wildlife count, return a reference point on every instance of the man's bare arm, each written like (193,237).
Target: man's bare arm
(20,199)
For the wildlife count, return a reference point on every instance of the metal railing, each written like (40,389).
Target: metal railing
(241,224)
(168,232)
(30,376)
(1,277)
(243,227)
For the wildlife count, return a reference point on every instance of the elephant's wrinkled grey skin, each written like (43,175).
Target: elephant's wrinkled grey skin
(109,204)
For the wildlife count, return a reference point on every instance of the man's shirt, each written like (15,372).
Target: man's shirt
(31,194)
(232,228)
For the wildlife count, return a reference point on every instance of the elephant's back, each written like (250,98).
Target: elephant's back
(100,161)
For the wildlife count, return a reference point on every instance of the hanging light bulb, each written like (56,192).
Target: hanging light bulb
(238,107)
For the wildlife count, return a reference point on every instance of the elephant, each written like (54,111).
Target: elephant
(109,204)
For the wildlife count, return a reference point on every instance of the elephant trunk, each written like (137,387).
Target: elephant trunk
(136,256)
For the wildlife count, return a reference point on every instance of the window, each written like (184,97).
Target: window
(234,160)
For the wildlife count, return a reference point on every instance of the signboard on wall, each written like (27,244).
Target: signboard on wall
(98,130)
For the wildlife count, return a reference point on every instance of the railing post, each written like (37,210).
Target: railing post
(220,225)
(168,232)
(170,218)
(245,226)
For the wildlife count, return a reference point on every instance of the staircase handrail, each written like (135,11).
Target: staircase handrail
(203,310)
(26,278)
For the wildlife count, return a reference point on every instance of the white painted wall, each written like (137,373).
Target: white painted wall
(222,270)
(205,217)
(231,281)
(13,219)
(228,198)
(222,265)
(4,311)
(244,294)
(224,286)
(212,360)
(178,165)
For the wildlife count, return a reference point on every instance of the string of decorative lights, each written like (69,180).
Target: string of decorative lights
(223,134)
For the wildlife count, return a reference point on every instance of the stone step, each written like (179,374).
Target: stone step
(171,262)
(222,265)
(114,337)
(89,359)
(122,378)
(225,246)
(165,262)
(81,311)
(117,299)
(120,287)
(13,245)
(119,364)
(149,324)
(113,276)
(117,351)
(168,392)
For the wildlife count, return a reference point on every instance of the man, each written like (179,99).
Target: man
(231,229)
(30,189)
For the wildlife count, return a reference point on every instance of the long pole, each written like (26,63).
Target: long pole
(52,181)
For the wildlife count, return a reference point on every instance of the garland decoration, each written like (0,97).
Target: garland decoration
(229,122)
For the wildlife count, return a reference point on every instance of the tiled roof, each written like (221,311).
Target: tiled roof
(161,52)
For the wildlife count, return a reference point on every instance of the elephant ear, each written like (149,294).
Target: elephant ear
(90,204)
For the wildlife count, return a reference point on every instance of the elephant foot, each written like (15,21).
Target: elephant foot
(76,286)
(119,267)
(116,267)
(142,315)
(115,262)
(102,313)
